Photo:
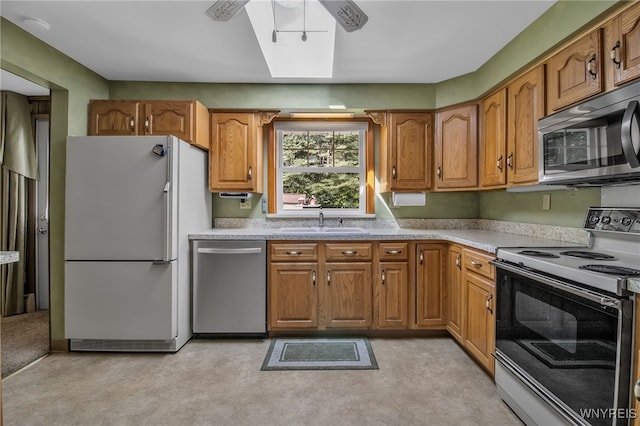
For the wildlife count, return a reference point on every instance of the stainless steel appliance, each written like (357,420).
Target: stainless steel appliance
(130,204)
(229,287)
(564,325)
(594,143)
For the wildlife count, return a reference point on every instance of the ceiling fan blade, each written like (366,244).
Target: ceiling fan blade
(346,13)
(223,10)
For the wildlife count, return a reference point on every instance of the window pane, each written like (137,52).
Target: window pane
(346,159)
(330,190)
(346,140)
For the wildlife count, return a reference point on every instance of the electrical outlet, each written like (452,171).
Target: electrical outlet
(546,201)
(245,203)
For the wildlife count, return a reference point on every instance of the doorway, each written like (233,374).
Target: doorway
(26,336)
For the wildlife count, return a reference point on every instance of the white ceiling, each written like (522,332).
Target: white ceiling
(403,41)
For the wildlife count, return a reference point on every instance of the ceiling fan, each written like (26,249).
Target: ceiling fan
(345,12)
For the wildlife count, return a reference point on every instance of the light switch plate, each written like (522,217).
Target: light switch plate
(245,204)
(546,201)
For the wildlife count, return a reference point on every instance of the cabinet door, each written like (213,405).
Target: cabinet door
(525,107)
(168,118)
(457,148)
(627,51)
(574,73)
(479,319)
(113,118)
(347,302)
(494,140)
(233,157)
(410,151)
(393,295)
(430,293)
(293,295)
(455,293)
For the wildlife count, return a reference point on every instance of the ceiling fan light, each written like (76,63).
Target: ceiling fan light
(346,13)
(223,10)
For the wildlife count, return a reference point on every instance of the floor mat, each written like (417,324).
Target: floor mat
(320,354)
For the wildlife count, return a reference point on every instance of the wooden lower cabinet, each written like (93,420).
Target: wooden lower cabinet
(455,292)
(392,301)
(478,331)
(347,302)
(479,336)
(293,295)
(430,294)
(320,294)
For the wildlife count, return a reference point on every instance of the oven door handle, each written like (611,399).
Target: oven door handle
(561,285)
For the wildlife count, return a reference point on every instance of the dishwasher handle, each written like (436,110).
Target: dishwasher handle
(250,250)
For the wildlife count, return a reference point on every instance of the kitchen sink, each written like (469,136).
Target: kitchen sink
(323,230)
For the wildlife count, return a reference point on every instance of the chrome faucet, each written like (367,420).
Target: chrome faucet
(321,219)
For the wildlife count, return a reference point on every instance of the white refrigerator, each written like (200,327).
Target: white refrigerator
(130,203)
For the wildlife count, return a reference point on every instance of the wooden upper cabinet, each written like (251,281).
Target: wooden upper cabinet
(187,120)
(113,118)
(493,140)
(575,73)
(525,102)
(235,157)
(624,47)
(456,148)
(405,150)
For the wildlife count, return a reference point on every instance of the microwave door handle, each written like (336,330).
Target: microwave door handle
(627,134)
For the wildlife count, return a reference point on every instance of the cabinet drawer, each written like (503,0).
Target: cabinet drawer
(393,251)
(348,251)
(479,263)
(293,252)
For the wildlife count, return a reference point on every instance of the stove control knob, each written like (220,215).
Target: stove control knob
(593,219)
(606,219)
(626,221)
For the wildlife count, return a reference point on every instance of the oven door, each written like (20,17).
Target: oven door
(569,345)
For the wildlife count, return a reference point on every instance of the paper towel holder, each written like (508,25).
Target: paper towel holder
(403,199)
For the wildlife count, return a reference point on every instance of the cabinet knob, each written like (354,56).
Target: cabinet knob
(499,163)
(476,263)
(459,261)
(421,257)
(393,172)
(147,124)
(393,251)
(250,173)
(383,277)
(313,278)
(132,124)
(439,172)
(591,66)
(328,278)
(636,390)
(349,252)
(614,54)
(294,253)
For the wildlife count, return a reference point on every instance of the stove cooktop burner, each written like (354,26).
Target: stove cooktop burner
(588,255)
(536,253)
(612,269)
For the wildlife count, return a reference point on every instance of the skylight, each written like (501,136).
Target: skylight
(288,22)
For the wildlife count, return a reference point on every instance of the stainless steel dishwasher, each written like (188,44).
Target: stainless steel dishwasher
(229,295)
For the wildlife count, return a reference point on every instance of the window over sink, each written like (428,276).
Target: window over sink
(324,165)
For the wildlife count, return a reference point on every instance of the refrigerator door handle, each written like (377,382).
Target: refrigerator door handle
(168,214)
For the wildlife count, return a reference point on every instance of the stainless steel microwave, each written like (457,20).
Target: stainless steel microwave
(593,143)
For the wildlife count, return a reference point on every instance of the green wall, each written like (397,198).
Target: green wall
(72,85)
(568,207)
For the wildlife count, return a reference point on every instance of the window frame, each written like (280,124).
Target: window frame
(274,173)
